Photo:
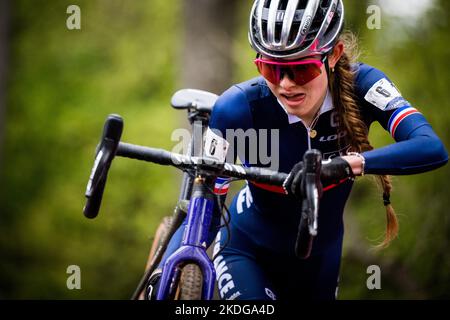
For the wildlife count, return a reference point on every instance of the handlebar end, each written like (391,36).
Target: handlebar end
(106,150)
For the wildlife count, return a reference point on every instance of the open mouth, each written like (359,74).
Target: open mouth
(294,97)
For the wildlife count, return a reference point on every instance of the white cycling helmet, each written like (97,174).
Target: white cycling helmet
(293,29)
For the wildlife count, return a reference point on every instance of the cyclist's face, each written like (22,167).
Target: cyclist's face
(305,100)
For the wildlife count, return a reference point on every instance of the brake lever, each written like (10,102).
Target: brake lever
(312,188)
(104,155)
(312,203)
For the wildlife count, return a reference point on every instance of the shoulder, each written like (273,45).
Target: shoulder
(374,87)
(233,108)
(243,93)
(381,99)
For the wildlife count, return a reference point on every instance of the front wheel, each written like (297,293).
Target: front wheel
(191,282)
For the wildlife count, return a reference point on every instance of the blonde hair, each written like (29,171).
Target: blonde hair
(350,121)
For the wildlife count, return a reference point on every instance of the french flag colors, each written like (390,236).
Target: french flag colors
(398,116)
(221,186)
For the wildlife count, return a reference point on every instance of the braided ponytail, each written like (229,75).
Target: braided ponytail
(350,122)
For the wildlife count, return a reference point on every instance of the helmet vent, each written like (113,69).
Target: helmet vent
(298,43)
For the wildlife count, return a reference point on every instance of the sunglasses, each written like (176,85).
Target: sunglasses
(301,72)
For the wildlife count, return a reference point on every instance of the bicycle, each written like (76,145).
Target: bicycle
(197,197)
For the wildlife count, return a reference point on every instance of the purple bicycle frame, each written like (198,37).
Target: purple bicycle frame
(193,246)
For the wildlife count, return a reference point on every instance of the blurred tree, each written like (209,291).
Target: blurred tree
(4,45)
(356,15)
(209,27)
(61,85)
(424,246)
(417,264)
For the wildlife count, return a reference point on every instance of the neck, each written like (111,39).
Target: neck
(308,119)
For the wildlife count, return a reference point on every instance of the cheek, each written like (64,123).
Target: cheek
(318,86)
(273,88)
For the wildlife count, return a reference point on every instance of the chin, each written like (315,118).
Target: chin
(296,109)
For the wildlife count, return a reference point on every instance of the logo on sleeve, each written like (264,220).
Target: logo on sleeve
(382,94)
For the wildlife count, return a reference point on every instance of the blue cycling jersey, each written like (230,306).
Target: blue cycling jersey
(267,219)
(252,105)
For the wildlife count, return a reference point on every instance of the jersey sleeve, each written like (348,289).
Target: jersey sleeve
(231,112)
(417,149)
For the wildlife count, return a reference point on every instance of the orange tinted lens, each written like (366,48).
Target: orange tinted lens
(270,72)
(305,73)
(300,74)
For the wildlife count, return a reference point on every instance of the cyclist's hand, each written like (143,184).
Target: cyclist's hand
(293,183)
(335,171)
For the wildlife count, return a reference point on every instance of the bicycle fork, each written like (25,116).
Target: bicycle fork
(194,244)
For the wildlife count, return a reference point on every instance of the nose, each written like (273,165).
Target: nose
(286,82)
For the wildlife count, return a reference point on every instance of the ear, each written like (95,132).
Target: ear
(337,53)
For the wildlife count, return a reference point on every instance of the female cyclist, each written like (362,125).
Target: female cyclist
(311,95)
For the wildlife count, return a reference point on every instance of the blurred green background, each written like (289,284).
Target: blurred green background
(129,58)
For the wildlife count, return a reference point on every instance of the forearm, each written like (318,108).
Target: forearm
(420,153)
